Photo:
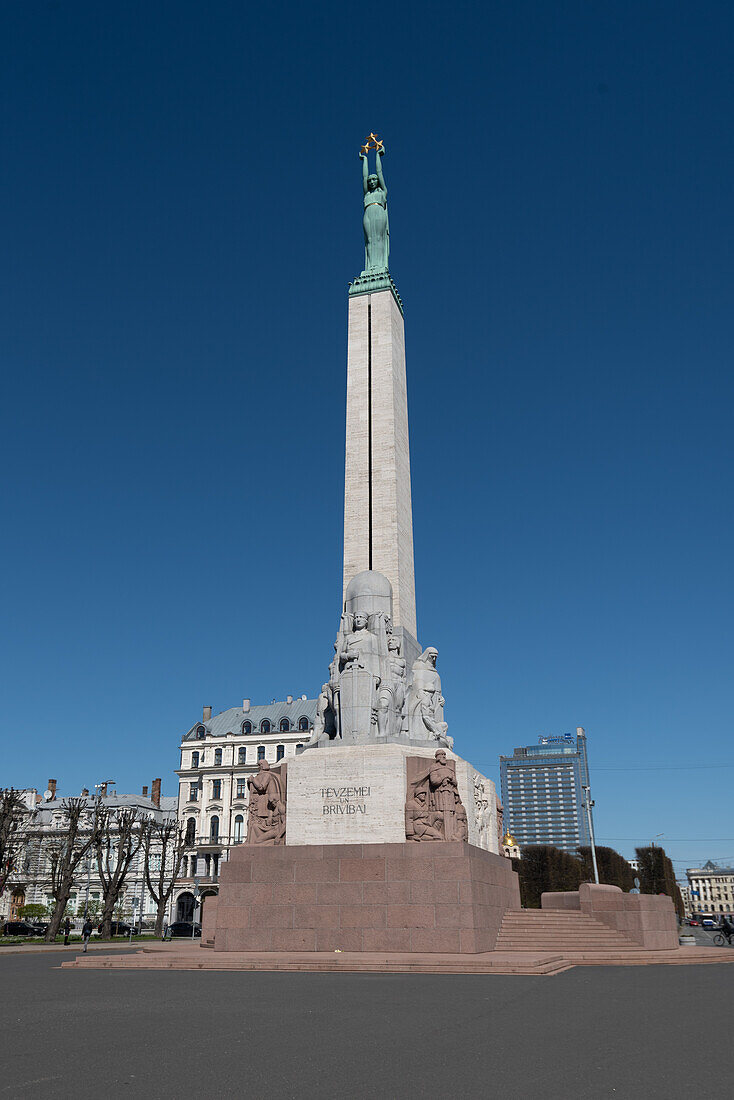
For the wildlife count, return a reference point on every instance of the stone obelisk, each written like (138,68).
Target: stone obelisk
(378,515)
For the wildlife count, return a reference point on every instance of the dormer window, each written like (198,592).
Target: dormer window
(284,725)
(265,726)
(247,726)
(200,733)
(303,722)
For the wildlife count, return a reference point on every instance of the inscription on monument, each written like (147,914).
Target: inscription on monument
(344,800)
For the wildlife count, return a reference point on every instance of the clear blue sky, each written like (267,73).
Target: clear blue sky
(181,202)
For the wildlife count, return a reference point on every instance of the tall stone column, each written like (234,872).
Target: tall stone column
(378,515)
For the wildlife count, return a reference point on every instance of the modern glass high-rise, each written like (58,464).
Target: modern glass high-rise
(542,792)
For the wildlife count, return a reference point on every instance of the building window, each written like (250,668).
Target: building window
(247,727)
(284,725)
(193,792)
(239,823)
(261,752)
(194,760)
(242,755)
(200,732)
(303,722)
(190,831)
(217,758)
(265,726)
(280,752)
(216,788)
(241,788)
(214,829)
(299,747)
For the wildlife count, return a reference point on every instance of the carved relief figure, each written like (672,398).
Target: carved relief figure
(433,801)
(391,694)
(266,809)
(425,703)
(421,823)
(324,727)
(358,647)
(482,813)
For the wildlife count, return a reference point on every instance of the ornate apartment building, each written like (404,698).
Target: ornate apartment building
(217,756)
(711,890)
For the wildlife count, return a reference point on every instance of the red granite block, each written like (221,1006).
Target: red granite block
(362,916)
(362,870)
(452,849)
(233,916)
(293,939)
(411,916)
(340,893)
(398,893)
(317,870)
(244,939)
(271,916)
(441,939)
(434,893)
(468,892)
(316,916)
(386,939)
(411,870)
(240,871)
(378,851)
(295,893)
(375,893)
(346,851)
(452,868)
(245,893)
(339,939)
(270,871)
(454,916)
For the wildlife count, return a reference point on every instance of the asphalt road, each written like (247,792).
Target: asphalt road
(622,1032)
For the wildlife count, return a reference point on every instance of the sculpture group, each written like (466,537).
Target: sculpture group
(371,695)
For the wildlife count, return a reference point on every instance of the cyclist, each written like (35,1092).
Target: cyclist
(727,929)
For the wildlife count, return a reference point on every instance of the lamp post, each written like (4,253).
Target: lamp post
(588,804)
(196,902)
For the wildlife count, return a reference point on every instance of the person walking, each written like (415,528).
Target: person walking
(67,930)
(86,933)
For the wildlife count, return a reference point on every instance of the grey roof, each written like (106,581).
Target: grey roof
(230,721)
(45,810)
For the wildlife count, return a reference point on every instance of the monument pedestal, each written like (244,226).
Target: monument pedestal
(432,897)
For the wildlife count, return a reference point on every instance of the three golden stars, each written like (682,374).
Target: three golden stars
(372,142)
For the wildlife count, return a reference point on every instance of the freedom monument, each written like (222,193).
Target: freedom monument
(377,836)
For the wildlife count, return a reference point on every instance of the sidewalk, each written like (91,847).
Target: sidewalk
(37,948)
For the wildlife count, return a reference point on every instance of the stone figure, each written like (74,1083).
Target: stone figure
(421,823)
(324,727)
(391,693)
(482,812)
(358,647)
(433,801)
(266,809)
(425,702)
(375,221)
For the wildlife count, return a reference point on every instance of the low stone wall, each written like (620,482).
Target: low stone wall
(648,919)
(562,900)
(423,897)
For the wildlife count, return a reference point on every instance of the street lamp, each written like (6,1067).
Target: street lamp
(196,902)
(588,803)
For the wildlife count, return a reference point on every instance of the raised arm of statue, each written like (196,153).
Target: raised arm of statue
(381,178)
(365,171)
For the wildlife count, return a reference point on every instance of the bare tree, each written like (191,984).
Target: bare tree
(118,844)
(163,843)
(83,823)
(11,837)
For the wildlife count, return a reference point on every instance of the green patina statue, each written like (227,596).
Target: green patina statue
(375,221)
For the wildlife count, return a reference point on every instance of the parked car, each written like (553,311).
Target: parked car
(19,928)
(709,922)
(184,928)
(39,927)
(693,922)
(119,928)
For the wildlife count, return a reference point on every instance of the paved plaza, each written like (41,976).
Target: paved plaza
(613,1032)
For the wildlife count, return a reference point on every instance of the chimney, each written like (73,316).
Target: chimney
(103,790)
(85,792)
(145,792)
(207,714)
(289,698)
(245,705)
(155,793)
(52,788)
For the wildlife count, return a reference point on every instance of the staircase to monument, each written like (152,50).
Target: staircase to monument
(555,930)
